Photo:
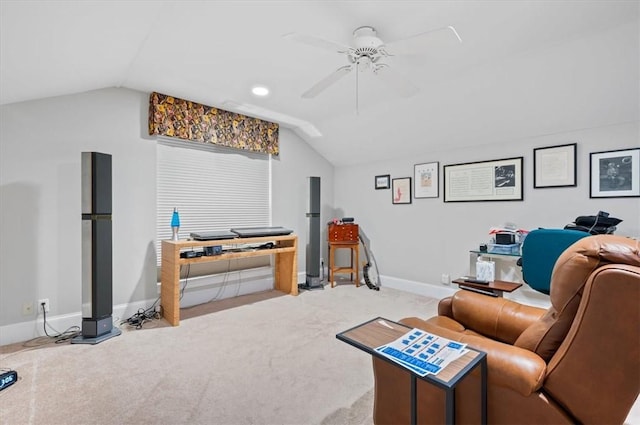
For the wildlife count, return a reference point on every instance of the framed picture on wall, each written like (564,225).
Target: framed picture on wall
(555,166)
(615,174)
(401,190)
(425,180)
(499,180)
(383,181)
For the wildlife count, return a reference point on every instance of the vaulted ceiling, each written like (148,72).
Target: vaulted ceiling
(523,69)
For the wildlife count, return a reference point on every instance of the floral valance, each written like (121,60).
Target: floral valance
(173,117)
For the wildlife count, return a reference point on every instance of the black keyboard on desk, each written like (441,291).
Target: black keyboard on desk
(255,232)
(213,235)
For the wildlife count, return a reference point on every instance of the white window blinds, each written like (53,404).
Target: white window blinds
(213,188)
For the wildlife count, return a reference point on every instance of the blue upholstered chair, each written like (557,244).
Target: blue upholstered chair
(540,250)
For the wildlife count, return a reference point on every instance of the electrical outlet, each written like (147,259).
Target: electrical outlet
(444,279)
(46,304)
(27,309)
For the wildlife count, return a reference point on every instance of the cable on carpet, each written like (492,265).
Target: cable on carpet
(142,316)
(71,332)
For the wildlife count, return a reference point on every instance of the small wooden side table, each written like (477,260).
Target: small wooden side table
(354,265)
(494,289)
(379,331)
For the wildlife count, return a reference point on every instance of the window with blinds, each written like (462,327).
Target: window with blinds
(214,188)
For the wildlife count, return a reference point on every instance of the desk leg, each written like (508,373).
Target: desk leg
(473,258)
(285,274)
(170,284)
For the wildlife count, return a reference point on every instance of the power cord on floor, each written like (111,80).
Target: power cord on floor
(71,332)
(142,316)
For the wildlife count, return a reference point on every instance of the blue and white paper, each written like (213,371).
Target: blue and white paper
(422,352)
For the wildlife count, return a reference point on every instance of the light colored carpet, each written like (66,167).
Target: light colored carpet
(273,361)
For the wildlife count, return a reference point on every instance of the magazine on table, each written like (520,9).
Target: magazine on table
(422,352)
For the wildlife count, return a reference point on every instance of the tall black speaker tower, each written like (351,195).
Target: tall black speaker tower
(313,247)
(97,275)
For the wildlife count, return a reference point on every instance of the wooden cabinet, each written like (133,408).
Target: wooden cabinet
(347,232)
(344,235)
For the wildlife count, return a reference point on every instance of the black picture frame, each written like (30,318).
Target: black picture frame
(383,182)
(496,180)
(401,190)
(555,166)
(614,174)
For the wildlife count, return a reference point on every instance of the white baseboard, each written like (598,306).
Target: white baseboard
(25,331)
(524,295)
(198,290)
(419,288)
(216,287)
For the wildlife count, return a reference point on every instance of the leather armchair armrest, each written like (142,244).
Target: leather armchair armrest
(511,367)
(497,318)
(444,307)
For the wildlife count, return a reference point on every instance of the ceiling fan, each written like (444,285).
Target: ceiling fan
(368,53)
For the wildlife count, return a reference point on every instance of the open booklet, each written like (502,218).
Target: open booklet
(422,352)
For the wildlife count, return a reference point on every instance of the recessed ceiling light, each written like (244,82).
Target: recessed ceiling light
(260,91)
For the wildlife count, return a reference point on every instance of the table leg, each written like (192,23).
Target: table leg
(450,414)
(331,261)
(473,258)
(414,404)
(483,390)
(357,269)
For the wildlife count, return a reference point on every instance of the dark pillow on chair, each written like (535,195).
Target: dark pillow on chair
(591,220)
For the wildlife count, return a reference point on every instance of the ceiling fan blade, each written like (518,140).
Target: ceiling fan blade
(317,42)
(408,45)
(396,81)
(326,82)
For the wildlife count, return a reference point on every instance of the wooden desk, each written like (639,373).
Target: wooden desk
(372,334)
(495,288)
(285,273)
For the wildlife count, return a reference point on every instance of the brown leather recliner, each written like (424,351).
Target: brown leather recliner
(577,362)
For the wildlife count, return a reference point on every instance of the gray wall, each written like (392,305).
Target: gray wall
(422,240)
(40,226)
(290,198)
(40,145)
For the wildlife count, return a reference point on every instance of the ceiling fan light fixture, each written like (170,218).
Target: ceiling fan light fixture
(367,53)
(260,91)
